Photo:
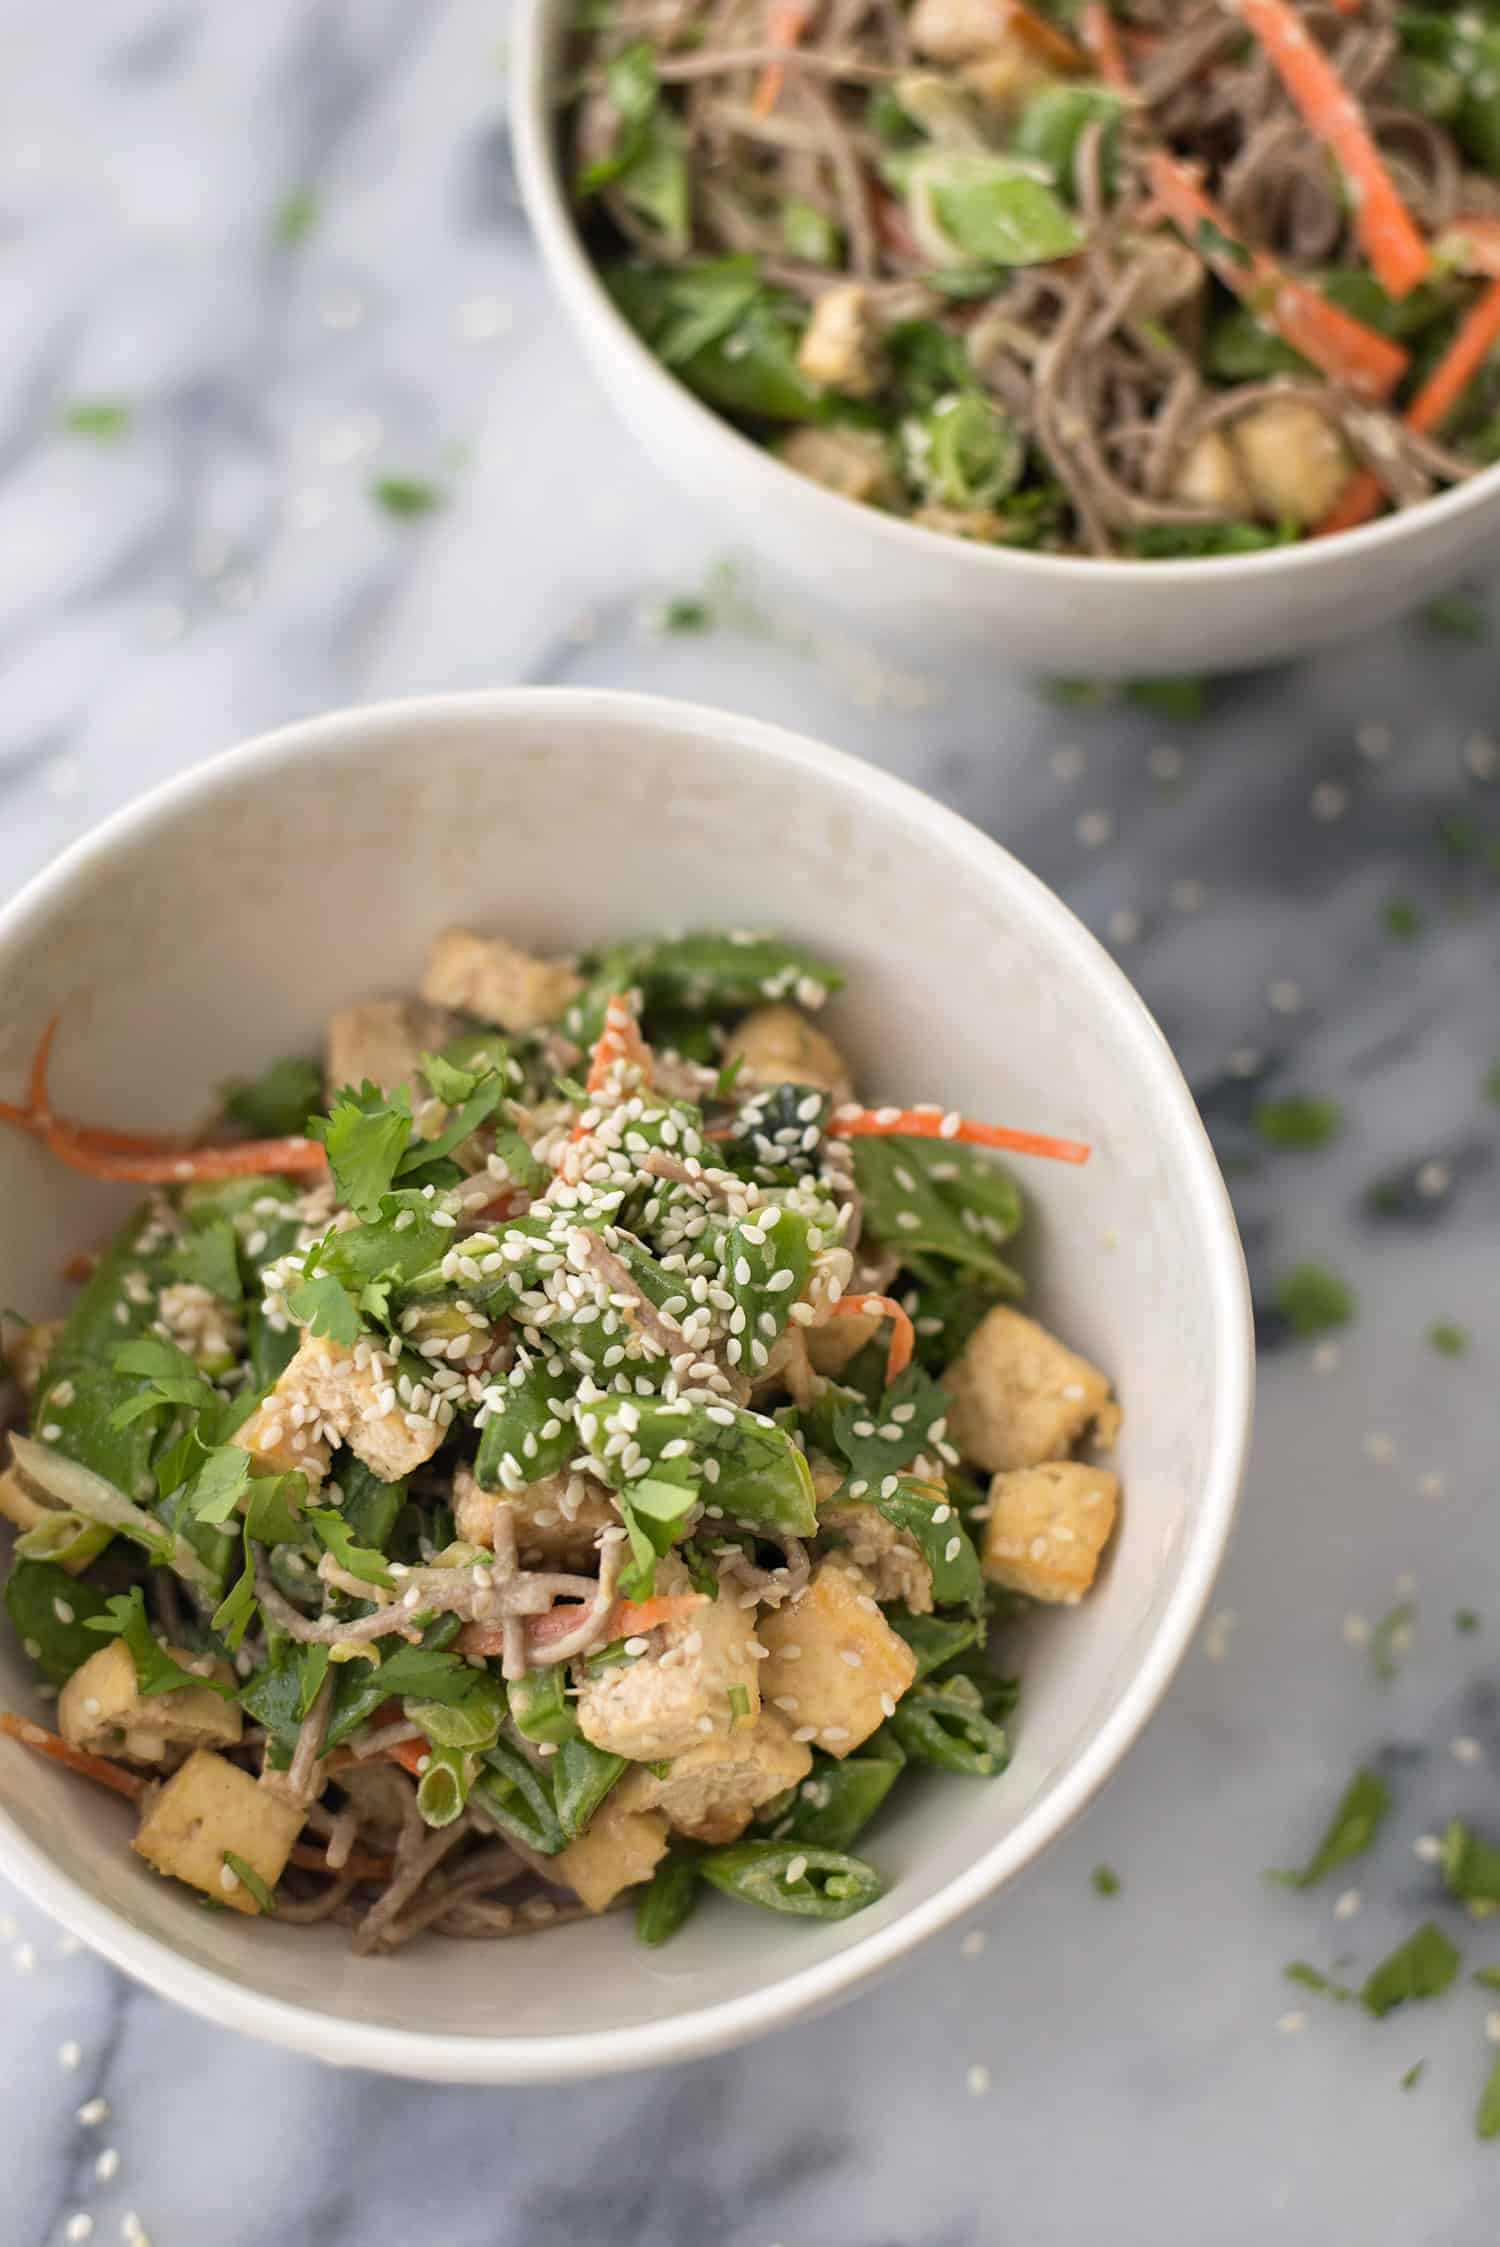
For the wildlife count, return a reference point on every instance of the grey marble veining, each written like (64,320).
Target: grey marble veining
(222,569)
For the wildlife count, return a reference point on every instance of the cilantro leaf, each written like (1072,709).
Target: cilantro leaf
(231,1618)
(296,216)
(933,1524)
(1313,1978)
(1423,1966)
(155,1669)
(356,1560)
(1104,1881)
(172,1377)
(216,1489)
(323,1305)
(102,418)
(406,495)
(652,1511)
(1487,2113)
(1311,1299)
(366,1135)
(481,1102)
(1448,1340)
(425,1672)
(1351,1831)
(1471,1865)
(1391,1639)
(1298,1121)
(879,1440)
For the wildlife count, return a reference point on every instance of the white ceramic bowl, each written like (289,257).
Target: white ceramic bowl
(1030,612)
(216,924)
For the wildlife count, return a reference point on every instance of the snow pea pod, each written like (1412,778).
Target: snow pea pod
(944,1724)
(668,1900)
(806,1882)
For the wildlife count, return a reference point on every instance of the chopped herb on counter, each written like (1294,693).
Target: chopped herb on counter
(1423,1966)
(1311,1298)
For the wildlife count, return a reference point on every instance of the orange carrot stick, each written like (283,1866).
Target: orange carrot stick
(931,1123)
(95,1767)
(1477,337)
(1344,348)
(785,24)
(1045,40)
(903,1333)
(1101,42)
(1399,258)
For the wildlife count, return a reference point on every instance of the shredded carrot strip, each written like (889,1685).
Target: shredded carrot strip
(1344,348)
(930,1123)
(95,1767)
(785,24)
(1101,41)
(1477,337)
(626,1617)
(1399,258)
(1472,243)
(1042,37)
(144,1158)
(903,1333)
(619,1040)
(312,1859)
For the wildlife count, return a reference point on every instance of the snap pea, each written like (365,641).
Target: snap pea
(51,1611)
(1465,43)
(443,1788)
(965,453)
(767,1260)
(1053,121)
(940,1537)
(540,1707)
(990,207)
(746,360)
(806,1882)
(762,1476)
(518,1799)
(72,1540)
(81,1389)
(533,1426)
(581,1777)
(945,1308)
(471,1722)
(777,1132)
(934,1639)
(836,1801)
(944,1724)
(668,1900)
(938,1198)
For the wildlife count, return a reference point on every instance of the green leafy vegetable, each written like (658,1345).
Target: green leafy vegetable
(1311,1299)
(836,1801)
(51,1613)
(277,1104)
(366,1133)
(934,1639)
(1298,1121)
(728,337)
(1362,1810)
(935,1198)
(355,1559)
(989,207)
(965,453)
(1423,1966)
(1471,1864)
(808,232)
(1053,121)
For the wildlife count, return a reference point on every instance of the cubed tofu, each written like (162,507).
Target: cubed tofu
(206,1808)
(778,1045)
(557,1519)
(1209,475)
(838,344)
(1004,78)
(102,1709)
(331,1390)
(1047,1527)
(956,30)
(1293,459)
(383,1039)
(835,1663)
(889,1555)
(652,1708)
(484,975)
(711,1790)
(1019,1396)
(622,1846)
(855,463)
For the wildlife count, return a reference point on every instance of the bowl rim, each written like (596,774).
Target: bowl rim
(464,2058)
(577,279)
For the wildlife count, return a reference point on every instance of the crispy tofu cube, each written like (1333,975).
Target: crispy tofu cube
(889,1555)
(484,975)
(102,1709)
(333,1391)
(558,1518)
(778,1045)
(622,1846)
(206,1808)
(1209,475)
(838,344)
(838,1342)
(382,1039)
(855,463)
(1047,1527)
(956,30)
(651,1708)
(835,1661)
(1020,1396)
(1005,77)
(1293,458)
(711,1790)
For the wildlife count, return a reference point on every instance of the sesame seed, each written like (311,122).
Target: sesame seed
(1329,800)
(1093,829)
(92,2111)
(978,2080)
(1283,996)
(80,2226)
(973,1943)
(23,1958)
(108,2164)
(1374,740)
(1347,1904)
(1292,2024)
(796,1867)
(1465,1750)
(1428,1847)
(70,2054)
(1379,1448)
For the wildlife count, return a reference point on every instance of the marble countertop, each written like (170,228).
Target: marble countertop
(1074,2067)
